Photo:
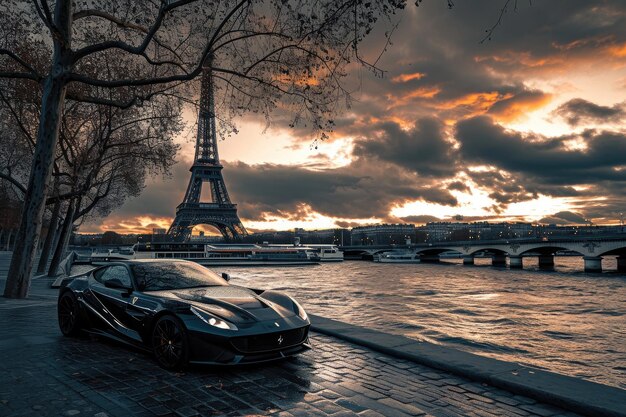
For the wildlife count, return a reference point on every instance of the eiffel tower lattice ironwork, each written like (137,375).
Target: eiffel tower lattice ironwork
(219,212)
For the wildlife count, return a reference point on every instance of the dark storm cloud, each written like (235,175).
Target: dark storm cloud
(423,149)
(504,188)
(564,217)
(423,219)
(347,225)
(161,195)
(541,35)
(158,200)
(360,190)
(610,207)
(485,142)
(458,186)
(525,166)
(570,216)
(579,111)
(438,67)
(553,220)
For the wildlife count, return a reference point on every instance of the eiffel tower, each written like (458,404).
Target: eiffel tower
(218,212)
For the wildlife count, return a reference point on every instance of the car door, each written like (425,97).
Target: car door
(139,309)
(115,301)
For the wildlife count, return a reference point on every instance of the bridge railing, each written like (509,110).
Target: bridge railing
(546,241)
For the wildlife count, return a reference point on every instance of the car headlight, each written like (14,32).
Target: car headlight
(298,309)
(212,320)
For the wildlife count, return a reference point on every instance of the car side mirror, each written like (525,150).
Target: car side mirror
(116,283)
(226,276)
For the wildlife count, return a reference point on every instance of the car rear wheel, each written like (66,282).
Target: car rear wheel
(170,343)
(67,310)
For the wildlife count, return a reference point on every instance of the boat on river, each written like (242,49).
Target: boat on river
(397,257)
(213,254)
(325,252)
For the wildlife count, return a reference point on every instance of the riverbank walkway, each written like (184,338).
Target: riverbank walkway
(46,374)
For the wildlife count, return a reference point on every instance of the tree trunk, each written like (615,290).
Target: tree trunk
(18,279)
(8,247)
(52,102)
(50,238)
(63,240)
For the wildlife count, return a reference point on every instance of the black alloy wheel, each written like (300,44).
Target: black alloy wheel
(169,343)
(67,310)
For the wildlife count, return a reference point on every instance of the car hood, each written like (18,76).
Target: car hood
(230,302)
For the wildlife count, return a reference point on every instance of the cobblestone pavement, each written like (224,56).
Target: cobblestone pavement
(45,374)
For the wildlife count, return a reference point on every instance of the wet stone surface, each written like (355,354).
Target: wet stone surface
(45,374)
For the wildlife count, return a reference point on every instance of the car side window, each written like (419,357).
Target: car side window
(114,272)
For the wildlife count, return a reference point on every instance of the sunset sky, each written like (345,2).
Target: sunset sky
(527,126)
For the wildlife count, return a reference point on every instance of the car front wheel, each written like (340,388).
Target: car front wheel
(170,343)
(68,313)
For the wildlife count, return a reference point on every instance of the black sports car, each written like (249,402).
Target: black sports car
(184,313)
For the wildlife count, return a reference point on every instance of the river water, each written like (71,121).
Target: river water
(566,321)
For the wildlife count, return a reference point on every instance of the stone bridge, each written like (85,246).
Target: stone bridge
(591,249)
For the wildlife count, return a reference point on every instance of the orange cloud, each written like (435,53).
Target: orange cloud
(418,93)
(423,92)
(503,107)
(403,78)
(475,103)
(605,45)
(134,225)
(521,58)
(403,123)
(618,51)
(511,109)
(579,43)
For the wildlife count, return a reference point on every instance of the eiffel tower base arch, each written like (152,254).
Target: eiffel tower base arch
(227,222)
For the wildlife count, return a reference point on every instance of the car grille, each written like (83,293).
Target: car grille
(270,341)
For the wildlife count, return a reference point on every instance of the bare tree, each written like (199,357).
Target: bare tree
(266,52)
(103,157)
(108,154)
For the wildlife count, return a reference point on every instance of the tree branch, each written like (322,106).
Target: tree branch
(21,75)
(20,61)
(489,32)
(13,181)
(17,119)
(45,18)
(150,33)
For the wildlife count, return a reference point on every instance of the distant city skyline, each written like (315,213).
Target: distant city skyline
(525,127)
(383,234)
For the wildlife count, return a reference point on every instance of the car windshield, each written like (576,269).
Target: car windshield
(174,275)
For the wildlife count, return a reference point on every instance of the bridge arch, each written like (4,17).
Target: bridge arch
(545,250)
(488,250)
(619,251)
(357,254)
(433,251)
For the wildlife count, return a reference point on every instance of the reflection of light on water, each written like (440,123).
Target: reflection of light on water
(566,321)
(481,296)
